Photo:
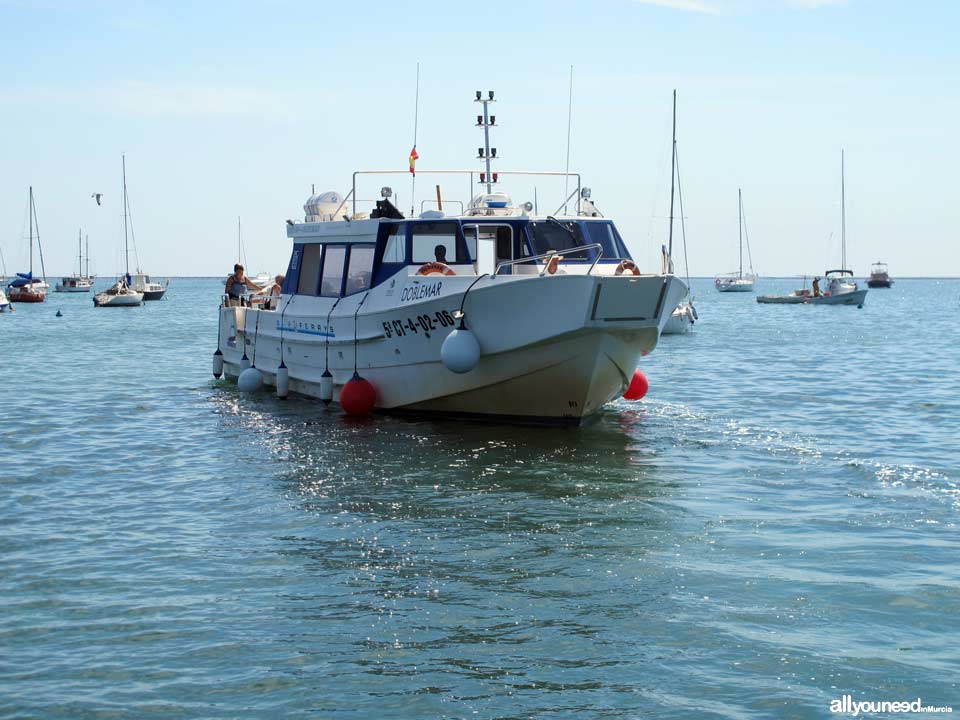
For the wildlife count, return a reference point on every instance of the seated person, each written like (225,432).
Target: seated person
(238,286)
(440,253)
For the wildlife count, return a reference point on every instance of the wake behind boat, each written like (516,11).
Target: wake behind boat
(494,311)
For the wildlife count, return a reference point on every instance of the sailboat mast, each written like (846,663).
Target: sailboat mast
(843,216)
(740,224)
(239,243)
(126,247)
(88,256)
(673,165)
(31,231)
(79,251)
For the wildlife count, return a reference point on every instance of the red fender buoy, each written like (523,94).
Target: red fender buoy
(638,386)
(358,396)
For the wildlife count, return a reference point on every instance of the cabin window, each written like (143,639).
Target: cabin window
(360,269)
(332,278)
(309,269)
(395,252)
(435,241)
(548,235)
(503,234)
(606,234)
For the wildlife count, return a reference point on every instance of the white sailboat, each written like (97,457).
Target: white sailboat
(685,314)
(121,294)
(139,282)
(840,287)
(79,282)
(738,282)
(493,311)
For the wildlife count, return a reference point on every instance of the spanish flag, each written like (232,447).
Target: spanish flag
(413,159)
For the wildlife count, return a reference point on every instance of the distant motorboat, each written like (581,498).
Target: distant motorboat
(738,281)
(150,289)
(78,282)
(879,277)
(841,289)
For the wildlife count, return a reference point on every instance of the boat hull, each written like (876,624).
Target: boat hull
(26,296)
(855,297)
(104,300)
(681,320)
(154,294)
(552,349)
(738,286)
(783,299)
(879,283)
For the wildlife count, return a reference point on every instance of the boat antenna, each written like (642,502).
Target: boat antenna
(79,251)
(566,170)
(3,262)
(239,243)
(87,241)
(355,341)
(673,165)
(413,153)
(486,153)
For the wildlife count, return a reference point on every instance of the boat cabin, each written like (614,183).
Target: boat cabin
(340,258)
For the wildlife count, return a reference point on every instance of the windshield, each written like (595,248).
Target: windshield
(606,234)
(548,235)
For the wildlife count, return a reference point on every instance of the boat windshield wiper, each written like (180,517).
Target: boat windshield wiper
(551,218)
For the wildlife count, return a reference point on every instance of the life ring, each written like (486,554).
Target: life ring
(552,265)
(435,268)
(627,265)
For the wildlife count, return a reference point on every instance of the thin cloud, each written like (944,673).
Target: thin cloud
(717,7)
(151,99)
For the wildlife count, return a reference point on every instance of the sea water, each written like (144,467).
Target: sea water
(774,527)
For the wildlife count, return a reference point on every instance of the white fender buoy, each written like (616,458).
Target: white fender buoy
(283,381)
(244,362)
(326,387)
(460,351)
(218,364)
(250,380)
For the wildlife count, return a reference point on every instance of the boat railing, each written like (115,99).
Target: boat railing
(551,254)
(474,177)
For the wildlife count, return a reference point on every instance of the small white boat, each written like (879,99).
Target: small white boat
(121,294)
(494,311)
(4,303)
(738,281)
(841,288)
(681,319)
(79,282)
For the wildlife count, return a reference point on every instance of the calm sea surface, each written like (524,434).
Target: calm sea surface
(775,526)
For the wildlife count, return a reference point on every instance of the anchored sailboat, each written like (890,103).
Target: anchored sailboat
(79,282)
(26,288)
(738,282)
(121,294)
(685,314)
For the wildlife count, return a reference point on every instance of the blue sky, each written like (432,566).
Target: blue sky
(227,110)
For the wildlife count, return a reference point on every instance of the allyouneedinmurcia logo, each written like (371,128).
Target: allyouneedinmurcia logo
(849,706)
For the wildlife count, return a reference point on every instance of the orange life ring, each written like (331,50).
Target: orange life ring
(552,265)
(627,265)
(435,268)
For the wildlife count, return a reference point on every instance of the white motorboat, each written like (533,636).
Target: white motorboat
(150,289)
(78,282)
(495,311)
(738,281)
(26,288)
(684,316)
(121,294)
